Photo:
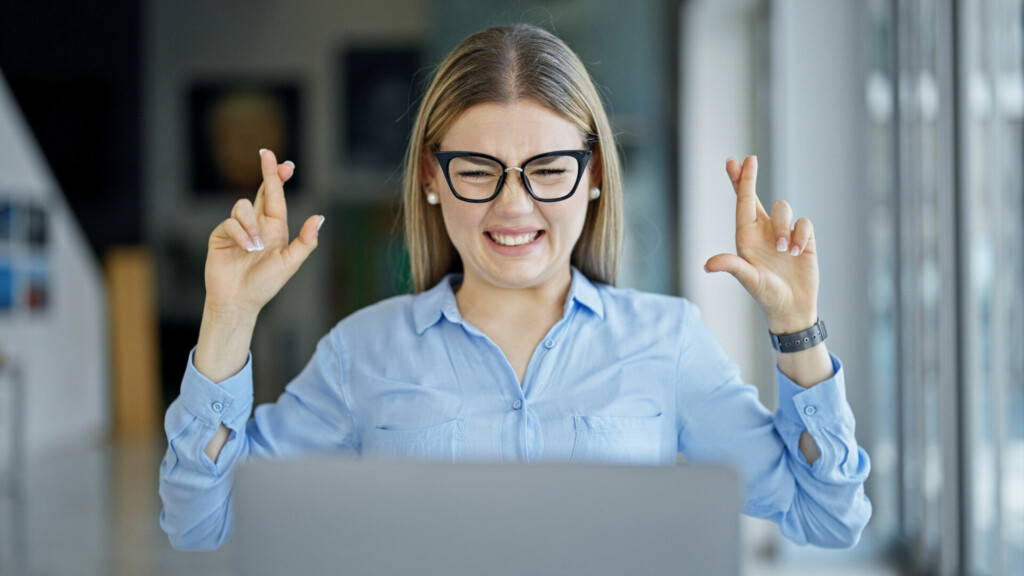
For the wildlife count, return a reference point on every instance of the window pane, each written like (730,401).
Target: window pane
(993,57)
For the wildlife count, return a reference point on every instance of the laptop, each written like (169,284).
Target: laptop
(375,517)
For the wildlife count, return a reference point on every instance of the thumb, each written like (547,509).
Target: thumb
(304,244)
(733,264)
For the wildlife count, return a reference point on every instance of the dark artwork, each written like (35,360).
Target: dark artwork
(381,96)
(229,122)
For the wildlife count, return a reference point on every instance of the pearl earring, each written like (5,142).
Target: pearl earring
(595,193)
(431,198)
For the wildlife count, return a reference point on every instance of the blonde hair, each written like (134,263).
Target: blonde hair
(505,64)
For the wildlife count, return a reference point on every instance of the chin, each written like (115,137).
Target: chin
(515,273)
(520,275)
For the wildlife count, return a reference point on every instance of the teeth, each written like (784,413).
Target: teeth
(514,240)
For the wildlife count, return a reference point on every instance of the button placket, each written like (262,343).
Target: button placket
(535,367)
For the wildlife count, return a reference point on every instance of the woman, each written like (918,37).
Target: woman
(516,345)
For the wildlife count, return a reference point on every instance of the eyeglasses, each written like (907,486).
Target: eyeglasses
(547,177)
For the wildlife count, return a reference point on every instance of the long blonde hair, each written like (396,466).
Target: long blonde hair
(504,64)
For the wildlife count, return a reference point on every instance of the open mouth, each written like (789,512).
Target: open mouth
(515,239)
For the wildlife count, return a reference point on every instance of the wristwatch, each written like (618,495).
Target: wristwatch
(801,340)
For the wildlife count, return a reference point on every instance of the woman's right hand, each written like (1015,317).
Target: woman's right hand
(249,258)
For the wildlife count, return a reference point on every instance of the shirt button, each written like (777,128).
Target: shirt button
(217,406)
(810,410)
(549,344)
(517,404)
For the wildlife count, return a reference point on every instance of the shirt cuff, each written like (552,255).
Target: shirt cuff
(825,402)
(228,401)
(822,410)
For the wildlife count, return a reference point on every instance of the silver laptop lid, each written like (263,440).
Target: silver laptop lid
(330,515)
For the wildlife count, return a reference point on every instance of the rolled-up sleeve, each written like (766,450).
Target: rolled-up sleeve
(311,415)
(721,419)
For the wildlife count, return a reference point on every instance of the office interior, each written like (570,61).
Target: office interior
(896,126)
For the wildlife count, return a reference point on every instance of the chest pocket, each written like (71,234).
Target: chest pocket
(618,439)
(442,442)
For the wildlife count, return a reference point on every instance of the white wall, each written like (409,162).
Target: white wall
(62,350)
(818,137)
(718,122)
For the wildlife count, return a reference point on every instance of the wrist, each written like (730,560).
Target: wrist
(224,339)
(792,324)
(229,314)
(226,328)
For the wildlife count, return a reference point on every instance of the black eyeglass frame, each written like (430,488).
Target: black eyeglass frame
(445,158)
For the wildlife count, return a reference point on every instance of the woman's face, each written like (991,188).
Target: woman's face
(487,235)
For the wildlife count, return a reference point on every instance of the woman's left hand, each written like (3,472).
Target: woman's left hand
(784,284)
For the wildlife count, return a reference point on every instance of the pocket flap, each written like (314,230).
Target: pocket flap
(438,442)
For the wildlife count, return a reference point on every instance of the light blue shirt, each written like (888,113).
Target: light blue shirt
(624,377)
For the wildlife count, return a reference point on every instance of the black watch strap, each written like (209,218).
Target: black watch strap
(801,340)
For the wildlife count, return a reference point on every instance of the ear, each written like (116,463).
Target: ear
(428,165)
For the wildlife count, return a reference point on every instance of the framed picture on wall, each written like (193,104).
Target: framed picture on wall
(379,86)
(25,278)
(229,121)
(8,291)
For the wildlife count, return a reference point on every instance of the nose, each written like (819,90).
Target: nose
(513,198)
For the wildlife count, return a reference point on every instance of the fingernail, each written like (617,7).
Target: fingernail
(259,242)
(249,246)
(290,163)
(795,251)
(782,245)
(262,150)
(322,218)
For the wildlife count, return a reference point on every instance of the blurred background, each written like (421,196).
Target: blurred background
(128,130)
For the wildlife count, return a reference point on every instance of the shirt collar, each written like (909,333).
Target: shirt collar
(583,291)
(430,306)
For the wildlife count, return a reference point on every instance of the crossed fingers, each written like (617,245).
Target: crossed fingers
(795,239)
